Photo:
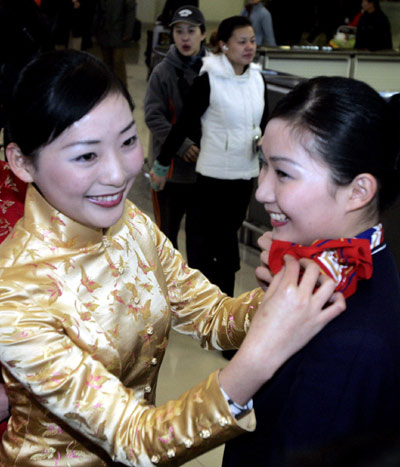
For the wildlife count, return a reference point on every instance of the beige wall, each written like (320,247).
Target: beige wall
(392,10)
(217,10)
(214,10)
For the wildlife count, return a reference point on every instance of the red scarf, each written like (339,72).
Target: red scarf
(346,260)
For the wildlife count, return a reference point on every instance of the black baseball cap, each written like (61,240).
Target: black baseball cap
(188,14)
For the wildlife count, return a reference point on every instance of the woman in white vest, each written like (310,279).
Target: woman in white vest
(229,102)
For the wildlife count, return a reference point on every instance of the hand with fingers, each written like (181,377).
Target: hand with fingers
(157,182)
(191,154)
(291,313)
(263,273)
(158,176)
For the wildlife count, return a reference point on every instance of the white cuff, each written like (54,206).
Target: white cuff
(238,410)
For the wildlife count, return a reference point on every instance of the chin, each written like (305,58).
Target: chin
(109,221)
(284,238)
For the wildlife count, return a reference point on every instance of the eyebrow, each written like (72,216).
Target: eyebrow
(96,141)
(284,159)
(244,36)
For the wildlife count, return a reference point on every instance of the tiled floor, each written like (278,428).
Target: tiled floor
(185,363)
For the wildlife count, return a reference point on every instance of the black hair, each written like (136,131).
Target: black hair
(229,25)
(355,130)
(55,90)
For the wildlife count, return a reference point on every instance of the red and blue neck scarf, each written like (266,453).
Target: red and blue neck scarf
(345,260)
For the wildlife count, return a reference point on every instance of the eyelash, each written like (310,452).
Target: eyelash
(261,159)
(264,165)
(130,141)
(281,174)
(86,157)
(252,41)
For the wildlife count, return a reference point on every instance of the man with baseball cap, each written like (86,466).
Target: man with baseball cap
(167,88)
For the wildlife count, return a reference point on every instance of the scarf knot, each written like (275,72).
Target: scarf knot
(345,260)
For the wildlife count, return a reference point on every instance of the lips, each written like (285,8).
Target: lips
(107,201)
(278,219)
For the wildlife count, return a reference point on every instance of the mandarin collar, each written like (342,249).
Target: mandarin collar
(42,220)
(228,67)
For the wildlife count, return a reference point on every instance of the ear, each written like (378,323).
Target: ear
(363,190)
(222,46)
(21,165)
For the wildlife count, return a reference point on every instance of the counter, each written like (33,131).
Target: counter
(381,70)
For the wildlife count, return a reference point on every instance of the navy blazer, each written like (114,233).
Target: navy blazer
(345,382)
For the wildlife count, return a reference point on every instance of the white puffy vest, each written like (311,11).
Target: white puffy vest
(231,121)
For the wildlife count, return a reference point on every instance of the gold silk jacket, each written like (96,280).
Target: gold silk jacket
(84,323)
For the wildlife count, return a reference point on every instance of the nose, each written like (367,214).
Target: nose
(250,45)
(113,172)
(265,193)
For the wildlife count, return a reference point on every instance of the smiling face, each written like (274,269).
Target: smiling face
(296,190)
(188,38)
(87,171)
(240,48)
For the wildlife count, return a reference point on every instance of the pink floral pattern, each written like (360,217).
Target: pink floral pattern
(84,324)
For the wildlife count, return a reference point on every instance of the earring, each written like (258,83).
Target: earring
(225,48)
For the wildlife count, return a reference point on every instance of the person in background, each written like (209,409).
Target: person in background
(113,27)
(88,8)
(373,29)
(63,16)
(330,167)
(90,289)
(228,101)
(167,88)
(24,32)
(261,21)
(288,28)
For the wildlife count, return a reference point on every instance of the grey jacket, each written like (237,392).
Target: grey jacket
(163,104)
(113,21)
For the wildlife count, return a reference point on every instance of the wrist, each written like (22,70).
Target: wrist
(160,170)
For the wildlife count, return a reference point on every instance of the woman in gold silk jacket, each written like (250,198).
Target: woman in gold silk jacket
(90,289)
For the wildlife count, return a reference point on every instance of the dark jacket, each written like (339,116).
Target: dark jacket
(345,382)
(373,31)
(113,22)
(168,84)
(24,32)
